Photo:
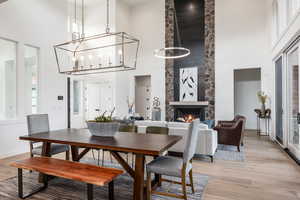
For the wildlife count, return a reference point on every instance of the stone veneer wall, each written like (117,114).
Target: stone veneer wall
(169,73)
(209,59)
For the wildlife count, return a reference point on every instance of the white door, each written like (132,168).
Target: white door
(106,98)
(293,80)
(99,99)
(93,101)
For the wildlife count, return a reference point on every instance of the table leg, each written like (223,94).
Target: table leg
(75,153)
(124,164)
(266,124)
(259,131)
(139,177)
(45,153)
(157,179)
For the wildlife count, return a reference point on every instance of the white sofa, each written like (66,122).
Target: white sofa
(207,140)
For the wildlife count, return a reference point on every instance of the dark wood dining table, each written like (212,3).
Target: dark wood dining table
(141,145)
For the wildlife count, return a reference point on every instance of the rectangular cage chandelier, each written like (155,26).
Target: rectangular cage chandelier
(102,53)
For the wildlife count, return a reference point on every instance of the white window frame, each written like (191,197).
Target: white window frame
(9,121)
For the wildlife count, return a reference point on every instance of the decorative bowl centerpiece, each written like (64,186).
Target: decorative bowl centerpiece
(103,126)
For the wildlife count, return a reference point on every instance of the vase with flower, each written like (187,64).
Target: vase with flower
(262,97)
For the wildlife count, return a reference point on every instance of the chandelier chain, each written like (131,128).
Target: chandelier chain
(75,15)
(107,17)
(82,15)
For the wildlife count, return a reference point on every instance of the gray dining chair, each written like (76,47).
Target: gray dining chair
(175,167)
(39,123)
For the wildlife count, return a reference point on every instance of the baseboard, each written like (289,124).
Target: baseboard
(292,156)
(12,153)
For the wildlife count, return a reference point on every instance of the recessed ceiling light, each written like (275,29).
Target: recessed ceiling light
(191,7)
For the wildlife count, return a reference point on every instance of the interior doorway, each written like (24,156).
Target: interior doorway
(247,82)
(88,100)
(98,99)
(143,96)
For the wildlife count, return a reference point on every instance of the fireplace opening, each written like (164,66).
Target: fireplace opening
(188,114)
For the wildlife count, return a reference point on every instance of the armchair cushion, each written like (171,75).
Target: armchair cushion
(209,123)
(167,165)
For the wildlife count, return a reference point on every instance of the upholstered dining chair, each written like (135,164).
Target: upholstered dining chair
(157,130)
(175,167)
(39,123)
(128,129)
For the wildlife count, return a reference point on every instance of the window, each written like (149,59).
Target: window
(292,8)
(31,78)
(275,20)
(76,97)
(8,81)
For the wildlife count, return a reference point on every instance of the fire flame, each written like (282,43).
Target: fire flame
(189,118)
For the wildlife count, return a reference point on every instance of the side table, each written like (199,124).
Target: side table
(263,116)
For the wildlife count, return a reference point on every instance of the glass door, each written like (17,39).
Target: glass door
(279,100)
(293,101)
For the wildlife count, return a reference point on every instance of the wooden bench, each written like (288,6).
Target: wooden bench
(90,174)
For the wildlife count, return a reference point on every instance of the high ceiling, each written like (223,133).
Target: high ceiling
(132,2)
(1,1)
(88,2)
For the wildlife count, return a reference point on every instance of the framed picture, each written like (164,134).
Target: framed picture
(189,84)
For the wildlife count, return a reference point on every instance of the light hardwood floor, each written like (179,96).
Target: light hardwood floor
(267,174)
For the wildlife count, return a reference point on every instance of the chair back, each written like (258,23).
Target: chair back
(37,123)
(128,128)
(157,130)
(192,140)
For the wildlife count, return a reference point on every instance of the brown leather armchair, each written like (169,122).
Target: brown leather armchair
(232,122)
(231,133)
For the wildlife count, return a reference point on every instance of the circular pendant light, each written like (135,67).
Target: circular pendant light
(169,52)
(173,52)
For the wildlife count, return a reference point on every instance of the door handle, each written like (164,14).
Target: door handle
(298,118)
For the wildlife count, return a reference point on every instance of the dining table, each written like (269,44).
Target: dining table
(82,141)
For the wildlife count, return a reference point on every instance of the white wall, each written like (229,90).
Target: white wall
(147,23)
(247,83)
(130,18)
(41,23)
(242,42)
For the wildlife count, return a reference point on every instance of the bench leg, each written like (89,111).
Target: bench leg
(20,185)
(111,190)
(90,191)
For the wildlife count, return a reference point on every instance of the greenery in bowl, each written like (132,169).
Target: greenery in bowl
(104,119)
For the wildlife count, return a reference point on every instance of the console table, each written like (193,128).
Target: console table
(266,116)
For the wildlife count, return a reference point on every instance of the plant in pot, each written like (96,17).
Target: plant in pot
(103,125)
(262,97)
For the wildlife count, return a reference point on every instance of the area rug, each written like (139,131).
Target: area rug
(61,189)
(228,152)
(225,152)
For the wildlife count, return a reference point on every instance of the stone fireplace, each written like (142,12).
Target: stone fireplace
(199,36)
